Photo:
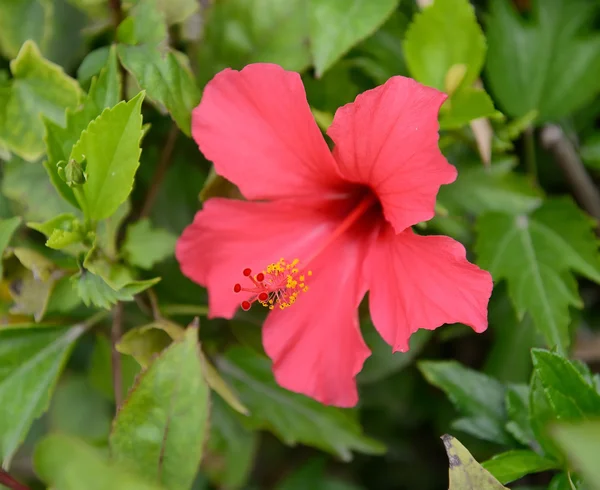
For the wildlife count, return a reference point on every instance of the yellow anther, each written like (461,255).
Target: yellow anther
(283,283)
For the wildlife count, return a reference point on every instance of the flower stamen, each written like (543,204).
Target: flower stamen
(278,285)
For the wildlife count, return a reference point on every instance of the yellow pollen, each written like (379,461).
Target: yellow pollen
(283,282)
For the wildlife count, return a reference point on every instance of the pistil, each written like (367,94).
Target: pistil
(280,283)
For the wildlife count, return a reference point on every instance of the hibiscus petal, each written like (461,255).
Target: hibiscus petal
(255,125)
(388,139)
(228,235)
(316,345)
(424,282)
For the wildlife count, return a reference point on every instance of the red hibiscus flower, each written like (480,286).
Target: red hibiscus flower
(319,228)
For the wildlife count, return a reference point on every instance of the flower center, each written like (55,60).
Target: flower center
(281,282)
(278,285)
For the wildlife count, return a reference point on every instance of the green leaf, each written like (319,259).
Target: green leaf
(475,395)
(230,448)
(217,186)
(63,231)
(78,409)
(465,473)
(37,263)
(590,151)
(7,230)
(313,475)
(104,92)
(96,287)
(443,35)
(541,414)
(61,239)
(293,418)
(335,26)
(581,444)
(562,381)
(100,370)
(513,338)
(34,196)
(64,221)
(66,463)
(517,407)
(111,148)
(64,298)
(535,255)
(92,289)
(39,87)
(144,24)
(22,20)
(167,78)
(162,72)
(480,189)
(512,465)
(43,22)
(175,207)
(92,64)
(218,384)
(115,274)
(239,32)
(535,63)
(161,427)
(323,119)
(107,230)
(144,246)
(464,106)
(381,56)
(31,295)
(145,342)
(31,360)
(176,11)
(566,481)
(382,362)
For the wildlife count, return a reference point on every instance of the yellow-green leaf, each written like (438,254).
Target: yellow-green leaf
(161,427)
(465,473)
(66,463)
(38,88)
(111,147)
(7,229)
(31,360)
(145,245)
(581,443)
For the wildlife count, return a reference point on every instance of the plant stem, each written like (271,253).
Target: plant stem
(571,481)
(117,14)
(156,314)
(91,321)
(175,310)
(161,170)
(530,162)
(9,482)
(584,189)
(115,337)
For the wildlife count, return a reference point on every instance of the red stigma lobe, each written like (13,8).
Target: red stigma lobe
(278,285)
